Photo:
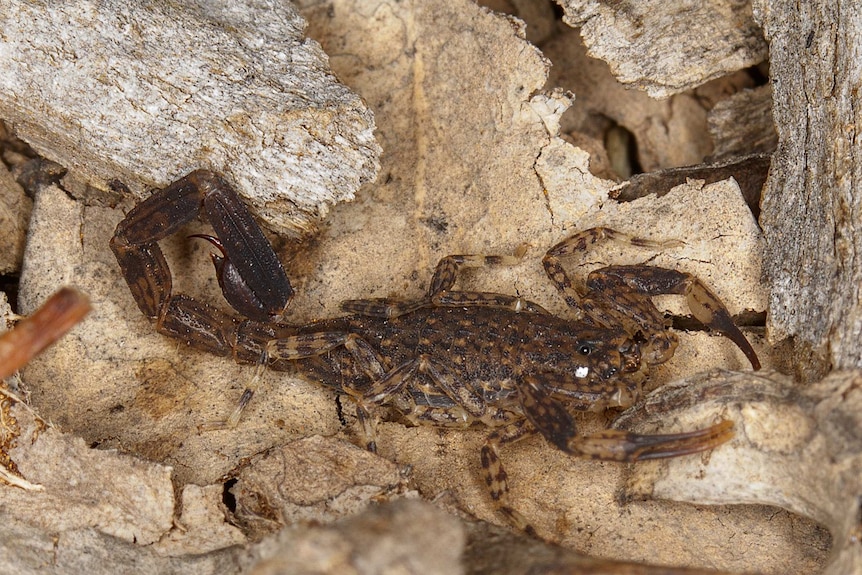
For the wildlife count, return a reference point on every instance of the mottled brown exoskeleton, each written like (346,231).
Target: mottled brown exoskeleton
(451,358)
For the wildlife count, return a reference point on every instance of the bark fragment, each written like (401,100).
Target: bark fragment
(741,125)
(665,48)
(811,203)
(15,209)
(798,449)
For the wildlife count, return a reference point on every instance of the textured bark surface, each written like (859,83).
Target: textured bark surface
(15,209)
(113,90)
(812,206)
(742,125)
(664,47)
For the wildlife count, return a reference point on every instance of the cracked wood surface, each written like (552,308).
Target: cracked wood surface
(812,202)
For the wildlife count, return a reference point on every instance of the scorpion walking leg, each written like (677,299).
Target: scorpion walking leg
(398,378)
(654,281)
(390,308)
(496,478)
(613,287)
(439,293)
(578,243)
(233,419)
(384,384)
(303,346)
(447,268)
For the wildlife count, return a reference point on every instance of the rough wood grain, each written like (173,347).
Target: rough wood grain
(668,47)
(742,125)
(812,207)
(146,92)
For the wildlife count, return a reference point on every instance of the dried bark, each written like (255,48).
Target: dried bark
(665,47)
(15,210)
(795,448)
(812,207)
(742,125)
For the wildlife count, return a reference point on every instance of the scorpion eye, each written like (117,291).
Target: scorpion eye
(584,349)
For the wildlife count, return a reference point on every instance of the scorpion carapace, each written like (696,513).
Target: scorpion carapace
(451,358)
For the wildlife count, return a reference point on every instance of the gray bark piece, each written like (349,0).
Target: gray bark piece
(742,125)
(75,487)
(145,93)
(811,203)
(406,537)
(667,133)
(668,47)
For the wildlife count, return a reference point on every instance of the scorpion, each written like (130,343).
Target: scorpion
(452,358)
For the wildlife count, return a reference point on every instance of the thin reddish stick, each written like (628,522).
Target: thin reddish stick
(49,323)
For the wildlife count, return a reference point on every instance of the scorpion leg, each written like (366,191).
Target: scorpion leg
(642,280)
(382,307)
(447,268)
(552,420)
(496,478)
(390,308)
(297,347)
(487,299)
(303,346)
(384,384)
(578,243)
(439,293)
(397,379)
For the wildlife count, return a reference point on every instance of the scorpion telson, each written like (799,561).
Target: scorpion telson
(451,358)
(250,273)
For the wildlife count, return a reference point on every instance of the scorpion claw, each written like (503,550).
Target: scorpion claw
(617,445)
